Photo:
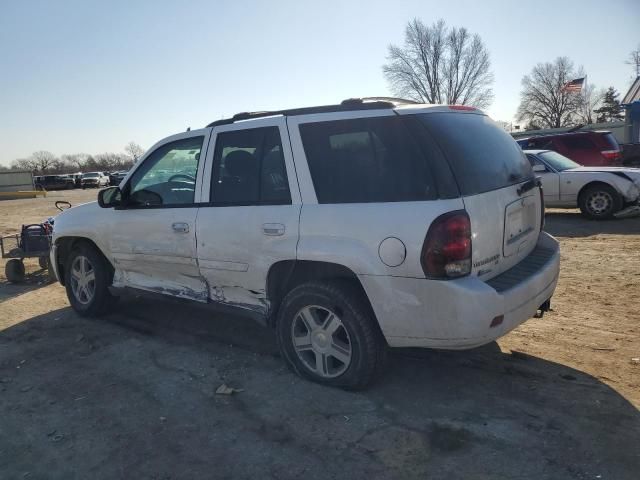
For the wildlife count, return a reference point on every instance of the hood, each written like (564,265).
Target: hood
(79,213)
(632,173)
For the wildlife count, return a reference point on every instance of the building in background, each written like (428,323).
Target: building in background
(16,184)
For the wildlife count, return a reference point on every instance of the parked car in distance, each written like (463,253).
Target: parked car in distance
(599,192)
(94,179)
(116,177)
(77,179)
(347,228)
(54,182)
(588,148)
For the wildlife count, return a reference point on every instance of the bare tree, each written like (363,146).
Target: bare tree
(544,100)
(634,60)
(134,151)
(42,160)
(440,65)
(75,161)
(110,161)
(23,164)
(589,101)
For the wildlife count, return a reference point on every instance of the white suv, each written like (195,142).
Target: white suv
(348,228)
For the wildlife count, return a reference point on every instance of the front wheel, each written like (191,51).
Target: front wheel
(599,202)
(327,333)
(87,279)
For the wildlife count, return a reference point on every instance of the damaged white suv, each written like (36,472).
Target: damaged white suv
(348,228)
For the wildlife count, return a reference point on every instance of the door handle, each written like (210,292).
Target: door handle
(180,227)
(273,229)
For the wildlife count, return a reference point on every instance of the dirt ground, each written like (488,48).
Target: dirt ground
(132,395)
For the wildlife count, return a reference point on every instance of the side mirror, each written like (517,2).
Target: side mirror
(110,197)
(539,168)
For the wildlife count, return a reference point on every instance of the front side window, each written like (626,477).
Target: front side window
(167,176)
(366,160)
(249,168)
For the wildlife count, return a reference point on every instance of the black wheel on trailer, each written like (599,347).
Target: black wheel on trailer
(14,270)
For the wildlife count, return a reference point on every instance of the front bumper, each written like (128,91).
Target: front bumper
(53,264)
(458,314)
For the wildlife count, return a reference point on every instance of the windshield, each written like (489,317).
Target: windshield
(557,161)
(482,155)
(90,175)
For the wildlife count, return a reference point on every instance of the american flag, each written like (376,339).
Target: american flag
(574,85)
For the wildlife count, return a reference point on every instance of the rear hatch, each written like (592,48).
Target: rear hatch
(497,185)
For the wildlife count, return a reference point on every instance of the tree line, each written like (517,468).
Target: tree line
(44,162)
(450,65)
(436,64)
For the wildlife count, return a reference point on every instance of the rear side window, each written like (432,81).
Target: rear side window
(483,156)
(366,160)
(249,168)
(578,142)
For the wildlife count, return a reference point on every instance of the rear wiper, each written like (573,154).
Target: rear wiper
(529,185)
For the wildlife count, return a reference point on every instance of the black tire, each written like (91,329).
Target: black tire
(14,270)
(101,299)
(43,262)
(612,202)
(367,345)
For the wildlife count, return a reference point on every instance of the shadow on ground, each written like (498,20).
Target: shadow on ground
(35,278)
(132,395)
(570,223)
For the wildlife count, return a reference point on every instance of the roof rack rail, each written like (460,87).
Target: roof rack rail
(394,100)
(366,103)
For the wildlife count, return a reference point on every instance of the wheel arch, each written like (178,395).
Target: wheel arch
(64,247)
(285,275)
(595,183)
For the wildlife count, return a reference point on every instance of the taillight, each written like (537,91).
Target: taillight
(612,155)
(446,252)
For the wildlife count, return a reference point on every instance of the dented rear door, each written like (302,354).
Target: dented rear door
(250,221)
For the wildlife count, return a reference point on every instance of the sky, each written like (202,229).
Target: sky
(86,76)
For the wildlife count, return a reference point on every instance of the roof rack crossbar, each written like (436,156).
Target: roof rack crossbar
(367,103)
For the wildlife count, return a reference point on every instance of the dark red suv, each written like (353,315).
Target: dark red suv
(596,149)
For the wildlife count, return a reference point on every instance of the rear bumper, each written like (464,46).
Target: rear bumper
(457,314)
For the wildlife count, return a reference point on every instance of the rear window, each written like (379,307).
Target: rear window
(610,140)
(366,160)
(482,155)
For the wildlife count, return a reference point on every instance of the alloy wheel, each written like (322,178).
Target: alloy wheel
(321,341)
(83,279)
(599,202)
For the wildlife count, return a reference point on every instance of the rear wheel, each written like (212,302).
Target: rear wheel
(43,262)
(14,270)
(327,333)
(88,277)
(599,202)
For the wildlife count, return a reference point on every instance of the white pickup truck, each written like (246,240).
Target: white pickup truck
(348,228)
